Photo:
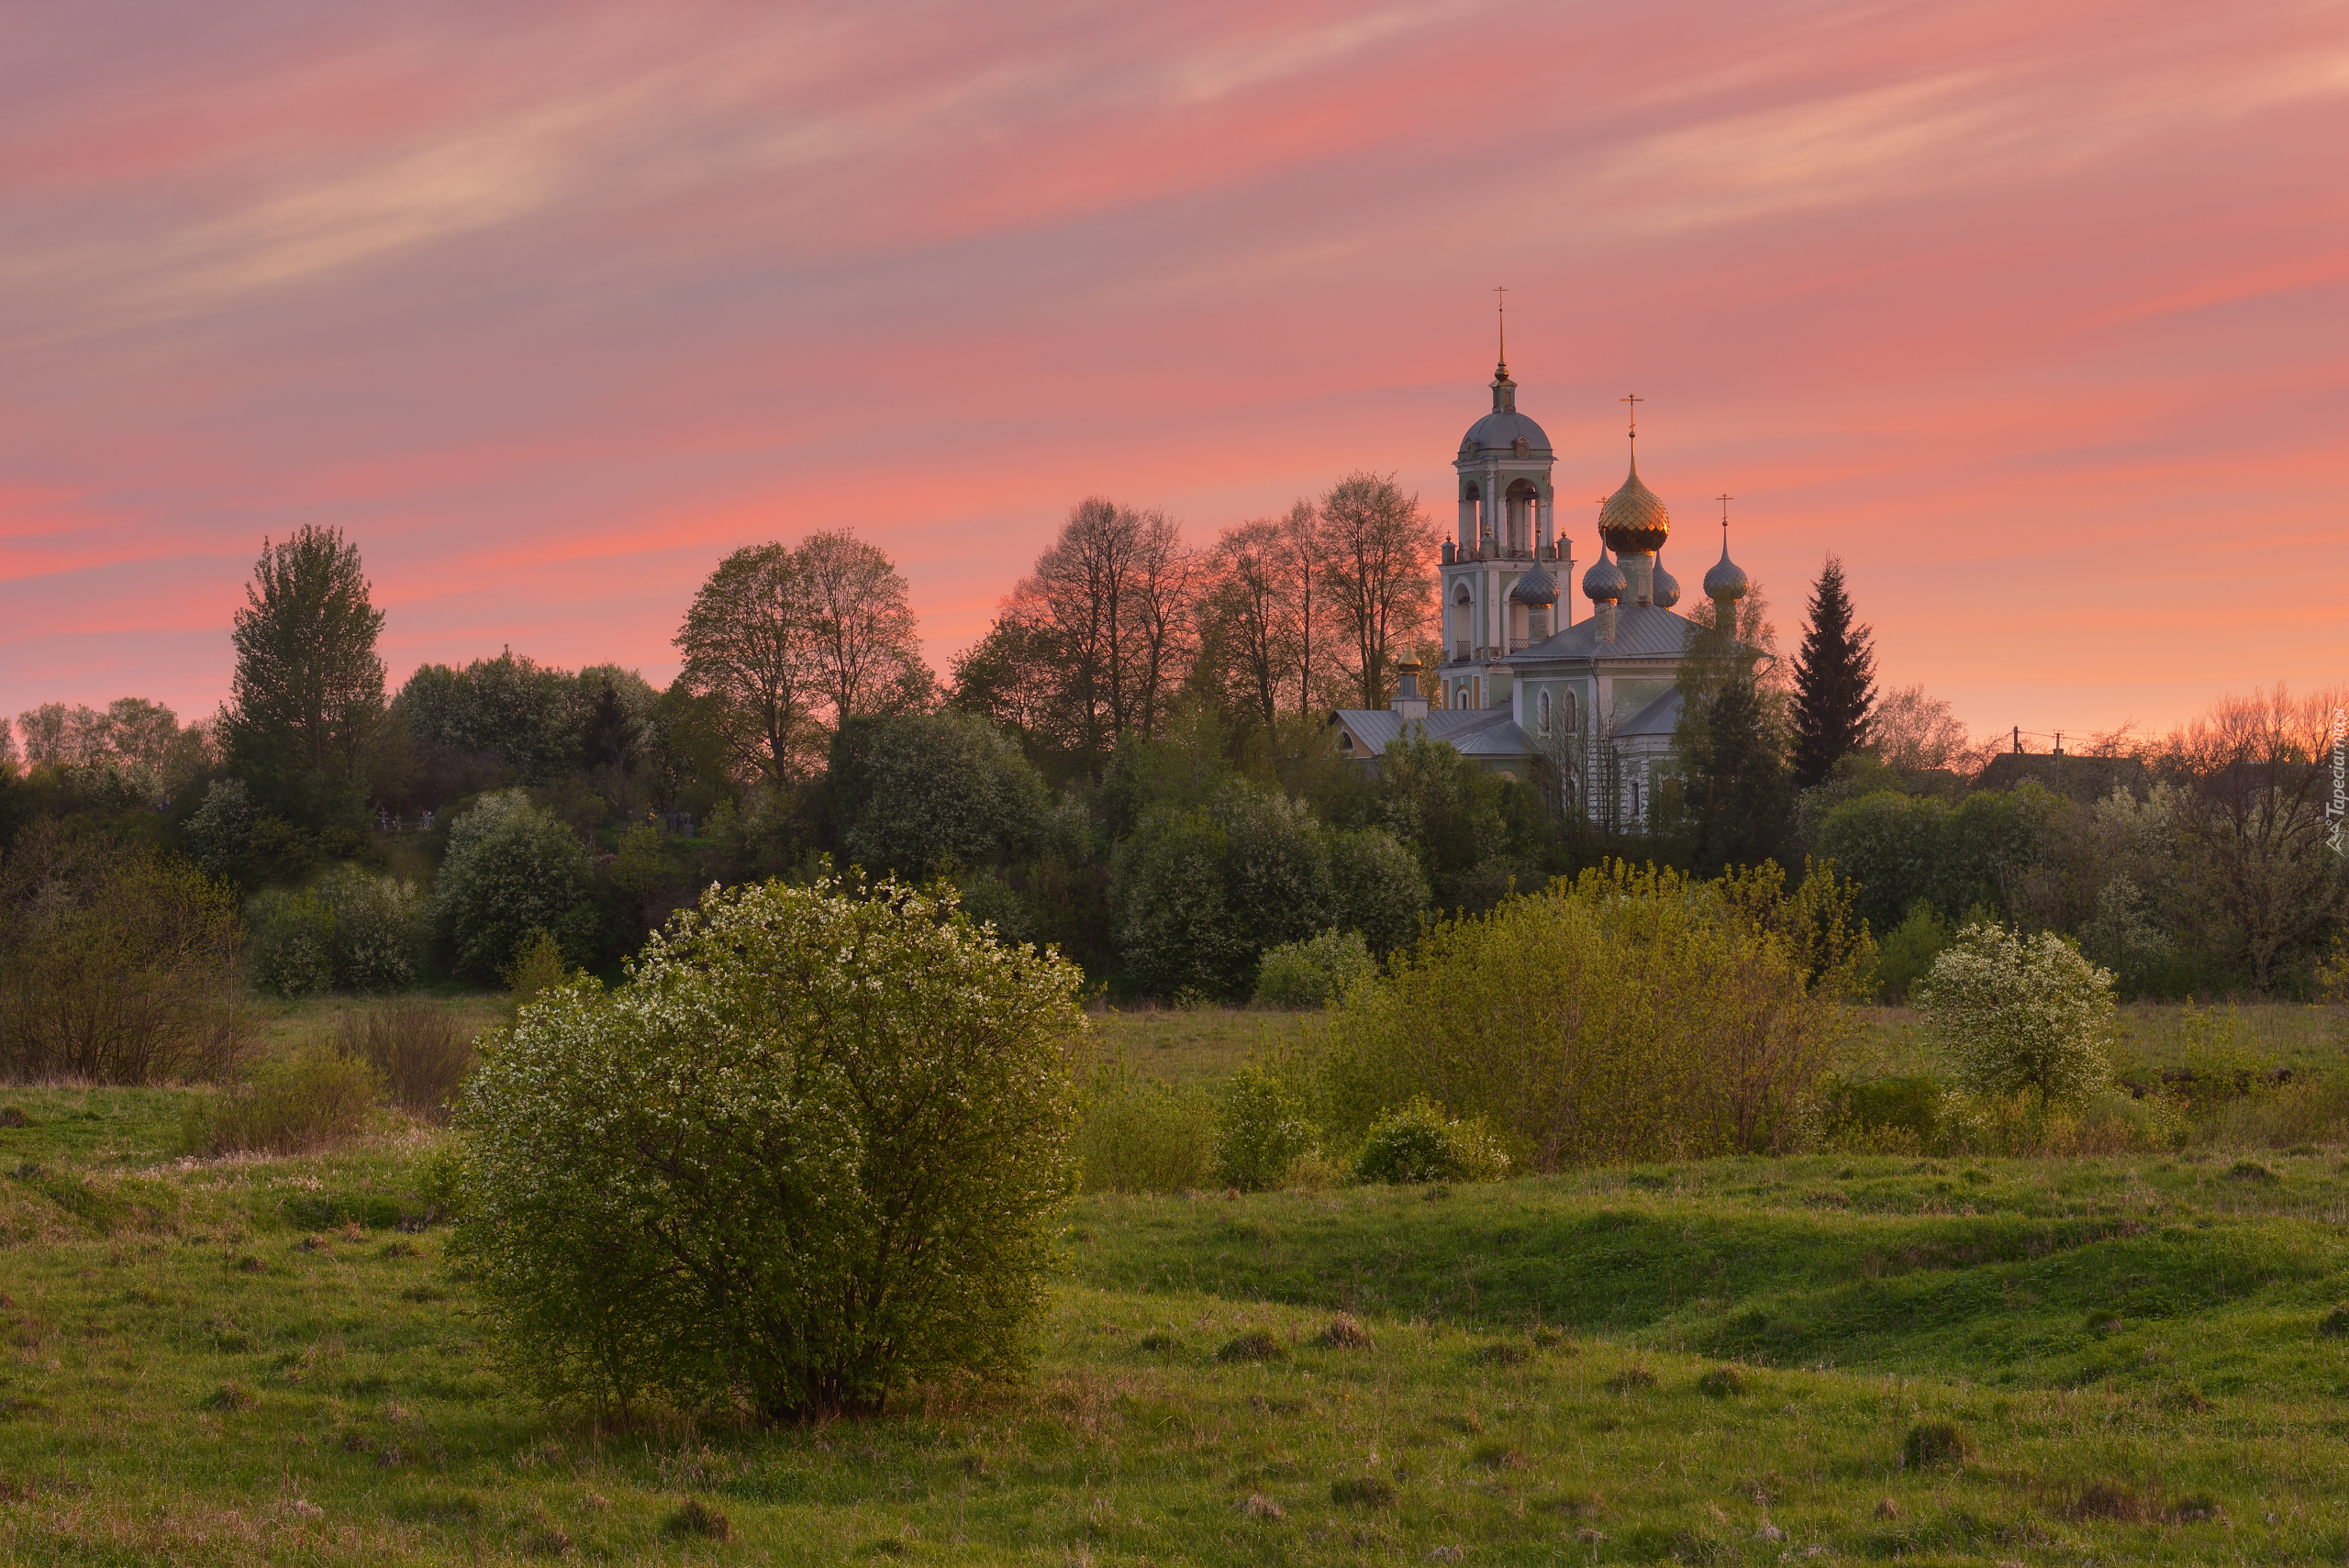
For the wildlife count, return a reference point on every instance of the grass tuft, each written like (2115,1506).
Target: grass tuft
(1345,1332)
(2104,1499)
(1503,1352)
(1362,1492)
(2335,1324)
(1255,1345)
(1263,1508)
(696,1519)
(232,1397)
(2252,1171)
(1932,1445)
(1632,1379)
(1721,1383)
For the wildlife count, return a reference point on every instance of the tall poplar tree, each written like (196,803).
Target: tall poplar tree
(1834,681)
(308,688)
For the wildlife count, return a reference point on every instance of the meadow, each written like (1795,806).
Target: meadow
(1817,1358)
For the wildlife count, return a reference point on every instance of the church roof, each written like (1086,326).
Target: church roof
(1642,632)
(1661,716)
(1471,732)
(1498,431)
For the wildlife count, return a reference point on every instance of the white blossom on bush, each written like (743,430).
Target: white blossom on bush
(2021,1015)
(805,1155)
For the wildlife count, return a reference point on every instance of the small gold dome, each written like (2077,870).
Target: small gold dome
(1634,518)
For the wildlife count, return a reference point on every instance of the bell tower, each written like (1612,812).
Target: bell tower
(1500,572)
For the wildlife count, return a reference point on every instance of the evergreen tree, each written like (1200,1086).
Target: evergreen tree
(308,689)
(1834,681)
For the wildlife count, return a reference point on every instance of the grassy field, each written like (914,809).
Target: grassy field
(252,1360)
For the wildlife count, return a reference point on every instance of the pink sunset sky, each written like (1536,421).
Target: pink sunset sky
(2036,313)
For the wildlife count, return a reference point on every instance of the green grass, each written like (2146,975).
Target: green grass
(1194,1045)
(249,1361)
(2279,1034)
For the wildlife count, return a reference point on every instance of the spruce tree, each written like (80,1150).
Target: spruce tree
(1834,681)
(1736,793)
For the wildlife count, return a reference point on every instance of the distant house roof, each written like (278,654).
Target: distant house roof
(2082,778)
(1642,632)
(1471,732)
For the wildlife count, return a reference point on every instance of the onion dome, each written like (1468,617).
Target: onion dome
(1634,518)
(1536,588)
(1727,579)
(1663,588)
(1604,580)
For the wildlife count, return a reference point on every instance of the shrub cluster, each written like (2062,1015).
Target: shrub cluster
(1314,971)
(1632,1015)
(1416,1142)
(310,1098)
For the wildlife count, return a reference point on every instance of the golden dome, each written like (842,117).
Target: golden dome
(1634,518)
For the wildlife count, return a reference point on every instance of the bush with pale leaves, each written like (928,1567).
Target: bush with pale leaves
(806,1154)
(2021,1015)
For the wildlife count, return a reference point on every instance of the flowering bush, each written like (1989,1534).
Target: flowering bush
(1419,1143)
(377,922)
(293,938)
(805,1155)
(2021,1015)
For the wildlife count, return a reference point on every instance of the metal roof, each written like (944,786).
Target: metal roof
(1661,716)
(1642,632)
(1471,732)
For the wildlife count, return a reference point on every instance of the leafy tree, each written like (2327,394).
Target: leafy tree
(1170,908)
(1261,1131)
(1735,795)
(512,870)
(308,688)
(2021,1015)
(1309,973)
(1376,546)
(926,789)
(806,1155)
(1376,888)
(1834,681)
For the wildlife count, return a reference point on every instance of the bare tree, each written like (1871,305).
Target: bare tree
(748,646)
(1377,547)
(2257,781)
(1111,598)
(865,649)
(1915,733)
(1308,607)
(1244,612)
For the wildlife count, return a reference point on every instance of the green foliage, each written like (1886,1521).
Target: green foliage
(804,1155)
(132,976)
(218,830)
(1901,1115)
(2021,1015)
(1908,951)
(1735,801)
(1416,1142)
(923,791)
(1626,1015)
(311,1098)
(1200,893)
(1834,681)
(537,966)
(512,870)
(1376,888)
(1137,1135)
(308,688)
(350,930)
(1309,973)
(1261,1131)
(293,942)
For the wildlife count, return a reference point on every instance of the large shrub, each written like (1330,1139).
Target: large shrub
(2021,1015)
(805,1155)
(1312,972)
(1628,1016)
(415,1048)
(1199,893)
(377,922)
(512,870)
(1261,1131)
(1416,1142)
(293,942)
(219,828)
(132,978)
(926,790)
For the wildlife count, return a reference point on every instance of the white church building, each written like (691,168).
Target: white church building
(1522,685)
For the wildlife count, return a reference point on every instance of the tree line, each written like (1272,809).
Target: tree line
(1131,765)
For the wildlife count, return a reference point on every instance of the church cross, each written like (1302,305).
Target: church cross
(1500,307)
(1635,403)
(1724,500)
